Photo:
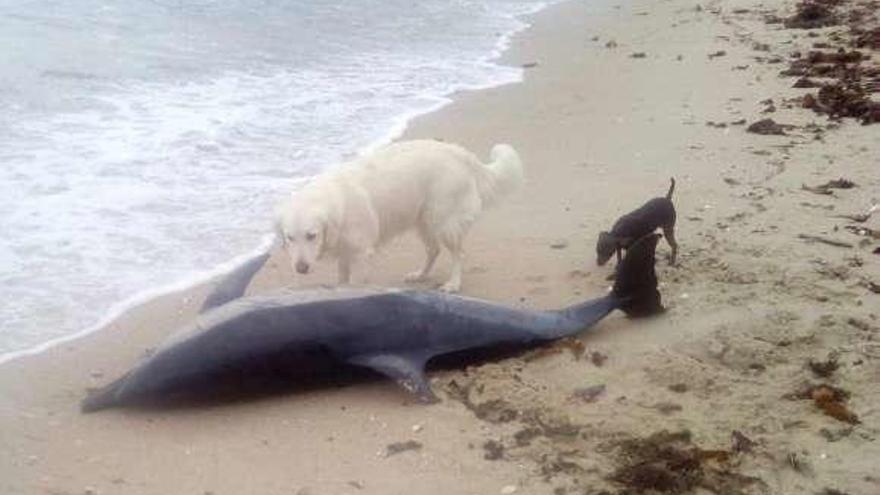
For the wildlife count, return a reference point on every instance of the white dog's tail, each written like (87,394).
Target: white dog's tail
(505,174)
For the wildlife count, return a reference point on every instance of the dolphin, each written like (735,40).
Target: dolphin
(306,335)
(233,284)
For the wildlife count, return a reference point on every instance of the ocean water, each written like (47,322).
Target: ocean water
(143,143)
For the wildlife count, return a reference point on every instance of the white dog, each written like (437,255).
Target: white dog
(437,188)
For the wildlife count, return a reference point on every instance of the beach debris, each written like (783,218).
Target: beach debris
(575,346)
(611,44)
(766,127)
(400,447)
(830,400)
(525,436)
(831,242)
(493,411)
(835,435)
(812,14)
(806,82)
(826,368)
(417,428)
(871,286)
(560,244)
(494,450)
(863,231)
(670,463)
(860,324)
(854,261)
(667,408)
(509,490)
(868,39)
(832,491)
(529,65)
(853,74)
(861,217)
(847,99)
(598,359)
(741,443)
(719,53)
(356,484)
(838,184)
(638,55)
(799,463)
(589,394)
(678,388)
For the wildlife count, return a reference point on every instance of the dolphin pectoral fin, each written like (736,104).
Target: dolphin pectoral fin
(408,372)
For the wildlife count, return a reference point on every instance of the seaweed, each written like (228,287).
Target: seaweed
(813,14)
(830,400)
(669,462)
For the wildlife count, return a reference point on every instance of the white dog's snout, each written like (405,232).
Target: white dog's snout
(302,267)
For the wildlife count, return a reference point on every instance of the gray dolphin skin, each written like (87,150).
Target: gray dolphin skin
(304,336)
(233,284)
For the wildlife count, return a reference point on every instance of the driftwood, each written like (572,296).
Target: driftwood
(860,217)
(827,187)
(863,231)
(824,240)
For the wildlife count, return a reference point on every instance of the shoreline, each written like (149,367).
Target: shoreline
(195,280)
(729,380)
(142,298)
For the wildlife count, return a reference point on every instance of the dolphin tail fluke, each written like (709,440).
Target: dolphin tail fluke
(636,281)
(102,398)
(235,283)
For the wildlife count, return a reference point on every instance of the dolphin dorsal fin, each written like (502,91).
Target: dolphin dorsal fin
(407,371)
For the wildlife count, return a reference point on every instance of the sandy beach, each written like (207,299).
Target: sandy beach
(760,378)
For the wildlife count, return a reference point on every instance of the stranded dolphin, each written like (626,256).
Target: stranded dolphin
(233,284)
(305,335)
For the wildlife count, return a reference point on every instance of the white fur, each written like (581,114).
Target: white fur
(436,188)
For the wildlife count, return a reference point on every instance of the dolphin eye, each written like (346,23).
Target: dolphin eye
(311,236)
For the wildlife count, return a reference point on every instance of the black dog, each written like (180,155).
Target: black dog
(658,212)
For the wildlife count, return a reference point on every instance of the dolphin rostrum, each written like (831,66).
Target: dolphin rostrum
(305,335)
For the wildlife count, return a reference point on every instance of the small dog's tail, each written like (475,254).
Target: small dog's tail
(635,284)
(505,174)
(671,188)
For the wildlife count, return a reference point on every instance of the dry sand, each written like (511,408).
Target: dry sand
(601,131)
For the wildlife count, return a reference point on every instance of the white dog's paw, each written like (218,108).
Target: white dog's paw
(415,277)
(451,287)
